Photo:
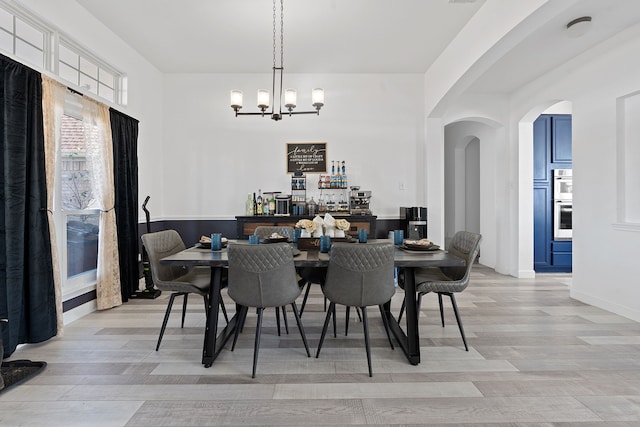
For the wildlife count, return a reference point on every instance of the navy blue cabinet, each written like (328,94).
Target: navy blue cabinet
(551,150)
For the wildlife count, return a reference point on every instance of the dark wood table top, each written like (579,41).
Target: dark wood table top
(196,256)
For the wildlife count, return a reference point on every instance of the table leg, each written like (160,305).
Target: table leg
(214,343)
(409,342)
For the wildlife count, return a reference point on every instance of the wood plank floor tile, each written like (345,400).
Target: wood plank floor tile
(536,358)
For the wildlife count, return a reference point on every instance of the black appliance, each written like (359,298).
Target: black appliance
(414,221)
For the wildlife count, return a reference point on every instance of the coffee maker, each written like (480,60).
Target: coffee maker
(359,201)
(414,221)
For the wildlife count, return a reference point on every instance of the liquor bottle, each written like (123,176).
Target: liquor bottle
(344,176)
(272,205)
(259,203)
(248,206)
(338,176)
(332,182)
(265,205)
(255,205)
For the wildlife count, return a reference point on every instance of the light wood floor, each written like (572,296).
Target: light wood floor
(536,358)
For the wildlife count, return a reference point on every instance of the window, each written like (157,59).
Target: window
(22,38)
(30,39)
(85,72)
(75,207)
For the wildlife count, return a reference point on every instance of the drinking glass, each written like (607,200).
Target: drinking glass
(325,244)
(398,237)
(216,241)
(362,235)
(296,234)
(254,239)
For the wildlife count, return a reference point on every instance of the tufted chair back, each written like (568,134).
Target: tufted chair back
(159,245)
(466,245)
(262,275)
(360,275)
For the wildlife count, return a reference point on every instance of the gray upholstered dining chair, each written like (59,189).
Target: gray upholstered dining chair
(179,280)
(263,276)
(359,276)
(264,231)
(449,280)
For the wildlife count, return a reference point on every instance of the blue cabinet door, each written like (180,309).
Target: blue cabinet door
(561,141)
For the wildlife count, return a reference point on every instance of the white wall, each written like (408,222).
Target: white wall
(213,159)
(604,256)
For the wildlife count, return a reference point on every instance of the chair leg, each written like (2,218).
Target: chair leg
(184,308)
(335,327)
(300,328)
(278,319)
(346,323)
(332,306)
(242,315)
(401,311)
(256,346)
(365,324)
(304,299)
(441,309)
(385,322)
(284,317)
(166,316)
(455,310)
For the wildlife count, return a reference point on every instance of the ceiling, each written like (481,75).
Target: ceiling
(350,36)
(321,36)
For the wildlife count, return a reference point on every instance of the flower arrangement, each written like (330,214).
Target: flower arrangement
(306,224)
(342,224)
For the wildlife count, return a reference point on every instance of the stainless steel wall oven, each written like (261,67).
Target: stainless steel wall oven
(562,204)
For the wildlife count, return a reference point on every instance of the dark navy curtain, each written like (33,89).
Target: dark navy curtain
(124,132)
(27,295)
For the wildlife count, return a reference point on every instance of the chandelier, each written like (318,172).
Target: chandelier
(290,95)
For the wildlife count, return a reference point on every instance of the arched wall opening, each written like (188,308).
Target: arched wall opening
(470,182)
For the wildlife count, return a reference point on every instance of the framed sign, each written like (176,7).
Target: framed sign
(308,157)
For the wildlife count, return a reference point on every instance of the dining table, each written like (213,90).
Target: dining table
(407,260)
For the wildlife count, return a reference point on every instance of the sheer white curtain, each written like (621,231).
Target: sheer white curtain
(97,128)
(53,94)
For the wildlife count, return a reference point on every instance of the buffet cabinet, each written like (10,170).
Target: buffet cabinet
(246,225)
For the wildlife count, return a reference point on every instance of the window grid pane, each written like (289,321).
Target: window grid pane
(106,78)
(88,68)
(88,83)
(106,92)
(6,20)
(6,41)
(29,53)
(29,34)
(68,56)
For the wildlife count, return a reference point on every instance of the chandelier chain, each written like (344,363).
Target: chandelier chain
(274,33)
(282,33)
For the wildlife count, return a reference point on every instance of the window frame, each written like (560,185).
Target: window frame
(53,38)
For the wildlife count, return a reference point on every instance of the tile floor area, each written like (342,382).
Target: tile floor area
(536,358)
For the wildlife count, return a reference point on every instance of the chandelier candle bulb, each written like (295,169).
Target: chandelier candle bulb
(290,99)
(236,99)
(263,99)
(317,97)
